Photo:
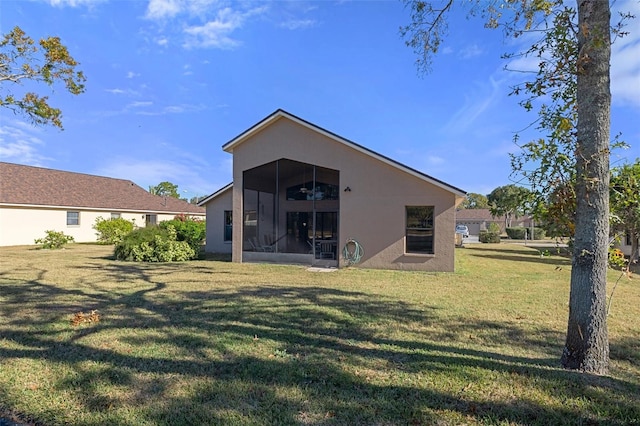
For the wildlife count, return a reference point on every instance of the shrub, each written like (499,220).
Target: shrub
(54,240)
(153,244)
(519,232)
(111,231)
(494,228)
(616,258)
(489,237)
(539,234)
(516,233)
(192,231)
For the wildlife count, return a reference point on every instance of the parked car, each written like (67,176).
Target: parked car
(462,229)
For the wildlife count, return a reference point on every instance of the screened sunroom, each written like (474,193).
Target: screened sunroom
(290,212)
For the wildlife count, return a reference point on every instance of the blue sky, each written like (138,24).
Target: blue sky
(170,81)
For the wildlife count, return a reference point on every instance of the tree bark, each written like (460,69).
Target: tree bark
(587,343)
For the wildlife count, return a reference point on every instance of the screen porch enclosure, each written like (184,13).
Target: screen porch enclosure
(291,207)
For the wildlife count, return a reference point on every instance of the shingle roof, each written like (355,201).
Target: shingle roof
(28,185)
(476,214)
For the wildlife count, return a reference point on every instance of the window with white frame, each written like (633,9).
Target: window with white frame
(73,218)
(115,215)
(151,219)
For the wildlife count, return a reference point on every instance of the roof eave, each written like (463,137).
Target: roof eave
(216,194)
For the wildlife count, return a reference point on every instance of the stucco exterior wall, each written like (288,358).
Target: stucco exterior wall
(623,246)
(23,225)
(373,212)
(215,223)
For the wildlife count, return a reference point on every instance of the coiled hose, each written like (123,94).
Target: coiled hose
(352,252)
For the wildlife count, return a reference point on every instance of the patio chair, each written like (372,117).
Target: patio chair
(254,244)
(326,251)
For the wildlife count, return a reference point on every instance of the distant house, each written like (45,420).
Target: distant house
(625,243)
(302,194)
(479,219)
(34,200)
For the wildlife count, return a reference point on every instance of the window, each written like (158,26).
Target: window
(151,219)
(628,238)
(228,225)
(419,232)
(115,215)
(307,191)
(73,218)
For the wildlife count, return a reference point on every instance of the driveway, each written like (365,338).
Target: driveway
(471,239)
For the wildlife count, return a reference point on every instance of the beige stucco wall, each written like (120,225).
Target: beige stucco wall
(373,212)
(23,225)
(215,223)
(622,245)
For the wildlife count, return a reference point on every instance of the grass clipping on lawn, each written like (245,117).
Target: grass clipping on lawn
(88,340)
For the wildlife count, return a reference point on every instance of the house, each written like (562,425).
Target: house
(302,194)
(625,243)
(34,200)
(479,219)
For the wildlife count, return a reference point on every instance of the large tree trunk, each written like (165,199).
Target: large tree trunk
(587,344)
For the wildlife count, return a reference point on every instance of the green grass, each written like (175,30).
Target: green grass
(211,342)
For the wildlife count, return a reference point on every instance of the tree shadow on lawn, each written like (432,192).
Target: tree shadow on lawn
(530,255)
(330,360)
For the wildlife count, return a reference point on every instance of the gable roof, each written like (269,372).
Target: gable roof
(280,113)
(36,186)
(216,194)
(477,214)
(485,215)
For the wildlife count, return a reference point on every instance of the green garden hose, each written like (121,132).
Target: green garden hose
(352,252)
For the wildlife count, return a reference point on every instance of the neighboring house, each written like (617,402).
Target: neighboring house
(34,200)
(479,219)
(301,194)
(625,243)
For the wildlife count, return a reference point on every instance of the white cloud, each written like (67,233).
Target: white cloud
(180,171)
(19,145)
(139,104)
(214,23)
(132,74)
(74,3)
(434,160)
(149,108)
(625,69)
(166,9)
(216,33)
(169,109)
(476,103)
(118,91)
(296,24)
(162,9)
(471,51)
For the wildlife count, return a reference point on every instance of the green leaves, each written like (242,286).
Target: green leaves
(54,240)
(165,189)
(48,62)
(509,200)
(624,200)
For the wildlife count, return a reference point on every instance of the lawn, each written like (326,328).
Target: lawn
(210,342)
